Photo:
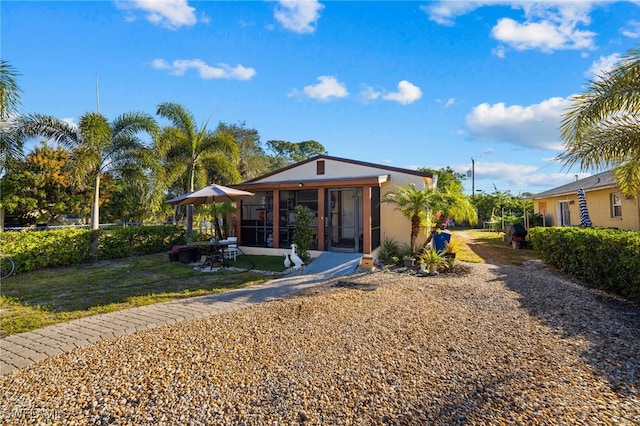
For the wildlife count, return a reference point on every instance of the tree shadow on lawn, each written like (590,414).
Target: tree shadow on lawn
(610,324)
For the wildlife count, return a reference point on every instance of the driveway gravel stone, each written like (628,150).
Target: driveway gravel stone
(499,345)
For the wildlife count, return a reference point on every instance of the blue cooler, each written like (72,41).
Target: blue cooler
(441,239)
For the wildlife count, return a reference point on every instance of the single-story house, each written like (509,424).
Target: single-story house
(607,206)
(344,196)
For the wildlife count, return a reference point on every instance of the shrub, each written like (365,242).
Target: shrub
(42,249)
(605,258)
(303,233)
(389,251)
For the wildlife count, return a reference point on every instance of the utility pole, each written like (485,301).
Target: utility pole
(473,179)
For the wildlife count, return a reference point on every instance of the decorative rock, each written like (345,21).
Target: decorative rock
(501,345)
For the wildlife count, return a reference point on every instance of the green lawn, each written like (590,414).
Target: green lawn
(34,300)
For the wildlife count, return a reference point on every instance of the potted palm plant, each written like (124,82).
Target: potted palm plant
(432,261)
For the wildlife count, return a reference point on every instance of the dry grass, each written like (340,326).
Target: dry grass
(485,246)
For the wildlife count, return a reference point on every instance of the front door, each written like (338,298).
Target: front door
(344,227)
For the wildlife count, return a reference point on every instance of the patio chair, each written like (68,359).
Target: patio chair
(231,251)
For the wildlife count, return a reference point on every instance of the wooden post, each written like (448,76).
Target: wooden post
(320,219)
(366,216)
(276,218)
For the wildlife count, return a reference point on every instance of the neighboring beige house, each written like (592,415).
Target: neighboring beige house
(345,197)
(607,206)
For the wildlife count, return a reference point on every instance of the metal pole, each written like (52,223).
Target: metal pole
(473,179)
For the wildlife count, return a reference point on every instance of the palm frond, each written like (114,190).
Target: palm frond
(601,128)
(50,128)
(9,90)
(179,117)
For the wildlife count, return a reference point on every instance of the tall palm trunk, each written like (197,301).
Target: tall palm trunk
(192,178)
(415,230)
(95,208)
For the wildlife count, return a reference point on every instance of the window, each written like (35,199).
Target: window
(616,205)
(564,215)
(320,167)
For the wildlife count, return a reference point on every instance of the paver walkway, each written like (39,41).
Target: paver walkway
(24,349)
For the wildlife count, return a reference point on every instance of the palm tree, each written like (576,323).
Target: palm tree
(10,143)
(602,127)
(194,156)
(420,206)
(451,204)
(414,204)
(96,145)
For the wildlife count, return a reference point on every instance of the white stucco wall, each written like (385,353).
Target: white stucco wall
(394,225)
(332,170)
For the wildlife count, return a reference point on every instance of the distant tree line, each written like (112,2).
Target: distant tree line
(124,169)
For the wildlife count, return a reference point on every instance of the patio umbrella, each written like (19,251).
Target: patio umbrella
(209,195)
(585,221)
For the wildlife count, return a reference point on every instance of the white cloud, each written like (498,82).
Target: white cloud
(369,94)
(328,88)
(447,103)
(631,30)
(299,16)
(545,35)
(601,66)
(546,25)
(445,12)
(407,93)
(533,126)
(515,175)
(180,66)
(171,14)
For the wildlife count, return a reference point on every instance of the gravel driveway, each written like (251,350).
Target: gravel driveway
(501,345)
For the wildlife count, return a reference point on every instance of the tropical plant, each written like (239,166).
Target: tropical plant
(217,211)
(432,260)
(193,156)
(429,207)
(446,178)
(389,250)
(602,127)
(414,204)
(450,252)
(96,145)
(303,233)
(448,204)
(296,152)
(253,161)
(10,143)
(37,190)
(490,206)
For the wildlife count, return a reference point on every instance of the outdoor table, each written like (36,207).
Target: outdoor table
(215,250)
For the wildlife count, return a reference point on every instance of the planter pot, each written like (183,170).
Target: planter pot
(188,254)
(408,263)
(423,267)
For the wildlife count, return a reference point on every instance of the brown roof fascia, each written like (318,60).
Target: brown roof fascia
(344,160)
(377,180)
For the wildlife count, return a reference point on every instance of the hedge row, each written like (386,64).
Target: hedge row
(43,249)
(605,258)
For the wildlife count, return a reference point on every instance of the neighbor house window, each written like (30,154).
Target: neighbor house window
(616,205)
(564,214)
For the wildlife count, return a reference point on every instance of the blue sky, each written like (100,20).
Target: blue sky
(408,84)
